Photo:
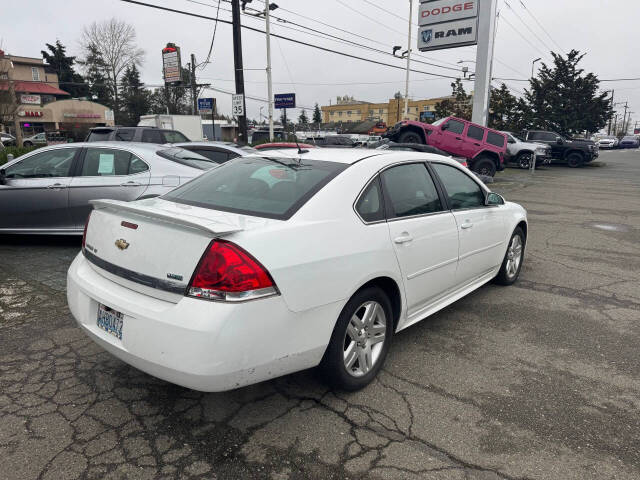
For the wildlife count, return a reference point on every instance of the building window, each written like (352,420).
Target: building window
(35,74)
(349,112)
(380,111)
(358,112)
(339,114)
(332,114)
(370,112)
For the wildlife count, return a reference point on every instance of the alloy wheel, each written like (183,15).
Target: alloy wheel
(364,338)
(514,256)
(525,160)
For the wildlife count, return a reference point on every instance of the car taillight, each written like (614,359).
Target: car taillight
(84,233)
(227,272)
(464,164)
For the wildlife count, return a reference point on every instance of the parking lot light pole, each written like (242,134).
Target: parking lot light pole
(533,64)
(406,88)
(269,82)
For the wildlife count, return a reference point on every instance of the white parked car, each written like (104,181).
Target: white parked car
(608,142)
(269,265)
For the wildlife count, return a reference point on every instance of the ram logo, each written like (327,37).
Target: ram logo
(427,35)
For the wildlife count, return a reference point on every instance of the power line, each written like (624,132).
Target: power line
(522,36)
(213,37)
(293,40)
(527,26)
(540,25)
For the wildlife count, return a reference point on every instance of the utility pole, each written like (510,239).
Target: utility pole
(484,60)
(624,118)
(269,84)
(14,107)
(610,118)
(239,72)
(194,86)
(406,88)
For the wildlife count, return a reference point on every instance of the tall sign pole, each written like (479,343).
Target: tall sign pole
(269,84)
(239,72)
(484,61)
(406,88)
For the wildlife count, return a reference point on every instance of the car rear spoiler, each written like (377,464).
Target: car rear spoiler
(205,225)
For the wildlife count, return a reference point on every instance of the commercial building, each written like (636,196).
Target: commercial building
(42,106)
(347,109)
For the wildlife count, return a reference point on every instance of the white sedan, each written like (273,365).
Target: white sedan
(269,265)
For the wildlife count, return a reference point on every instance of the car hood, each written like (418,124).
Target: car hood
(532,145)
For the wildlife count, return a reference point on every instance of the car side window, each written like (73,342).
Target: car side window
(411,190)
(476,133)
(152,136)
(454,126)
(549,137)
(495,139)
(173,136)
(370,206)
(106,162)
(461,189)
(53,163)
(125,134)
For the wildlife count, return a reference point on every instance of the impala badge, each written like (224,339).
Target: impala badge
(122,244)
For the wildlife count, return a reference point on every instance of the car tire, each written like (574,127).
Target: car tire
(513,259)
(410,137)
(484,166)
(27,144)
(575,160)
(524,160)
(355,353)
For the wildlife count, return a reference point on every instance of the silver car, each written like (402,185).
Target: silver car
(219,152)
(47,191)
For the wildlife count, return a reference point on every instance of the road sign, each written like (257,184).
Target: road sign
(285,100)
(447,24)
(237,104)
(171,64)
(206,105)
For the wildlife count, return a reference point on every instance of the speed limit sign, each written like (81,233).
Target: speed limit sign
(237,104)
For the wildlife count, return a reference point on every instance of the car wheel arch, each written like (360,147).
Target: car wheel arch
(488,154)
(393,291)
(414,129)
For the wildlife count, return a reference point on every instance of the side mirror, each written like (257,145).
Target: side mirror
(559,141)
(493,199)
(3,176)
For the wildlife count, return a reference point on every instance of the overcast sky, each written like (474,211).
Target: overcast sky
(605,30)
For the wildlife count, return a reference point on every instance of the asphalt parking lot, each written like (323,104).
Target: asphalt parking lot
(540,380)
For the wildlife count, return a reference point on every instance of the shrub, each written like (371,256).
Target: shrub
(15,151)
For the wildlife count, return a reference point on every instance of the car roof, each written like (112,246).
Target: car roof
(353,155)
(139,146)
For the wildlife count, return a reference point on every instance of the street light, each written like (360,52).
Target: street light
(533,65)
(406,90)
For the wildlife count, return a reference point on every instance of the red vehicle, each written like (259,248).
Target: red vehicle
(282,146)
(483,147)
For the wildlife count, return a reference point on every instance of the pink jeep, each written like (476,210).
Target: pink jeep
(483,147)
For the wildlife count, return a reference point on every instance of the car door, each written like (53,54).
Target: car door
(451,136)
(472,143)
(423,233)
(35,194)
(481,228)
(112,173)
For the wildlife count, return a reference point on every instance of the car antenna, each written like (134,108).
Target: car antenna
(300,150)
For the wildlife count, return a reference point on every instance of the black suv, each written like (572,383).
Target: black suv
(135,134)
(574,152)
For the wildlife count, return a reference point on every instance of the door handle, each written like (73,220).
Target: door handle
(458,138)
(130,184)
(403,238)
(467,224)
(57,186)
(476,144)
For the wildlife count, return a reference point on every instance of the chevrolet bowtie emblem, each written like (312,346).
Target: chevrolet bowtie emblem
(122,244)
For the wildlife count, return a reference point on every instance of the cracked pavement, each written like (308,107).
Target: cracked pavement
(540,380)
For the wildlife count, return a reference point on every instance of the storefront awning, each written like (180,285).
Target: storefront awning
(34,87)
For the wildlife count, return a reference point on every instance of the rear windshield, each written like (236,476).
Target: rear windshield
(99,135)
(258,186)
(186,157)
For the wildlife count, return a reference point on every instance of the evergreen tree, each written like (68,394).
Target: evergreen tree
(459,105)
(173,99)
(135,99)
(303,120)
(94,70)
(70,80)
(317,114)
(565,99)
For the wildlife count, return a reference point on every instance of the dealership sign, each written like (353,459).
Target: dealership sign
(285,100)
(27,113)
(30,99)
(171,64)
(447,24)
(81,115)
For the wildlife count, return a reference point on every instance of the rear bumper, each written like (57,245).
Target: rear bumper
(203,345)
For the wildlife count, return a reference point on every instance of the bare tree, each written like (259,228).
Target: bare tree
(115,40)
(8,101)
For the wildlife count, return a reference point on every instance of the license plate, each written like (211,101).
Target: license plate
(110,320)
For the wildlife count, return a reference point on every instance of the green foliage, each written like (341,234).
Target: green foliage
(57,58)
(565,99)
(95,73)
(135,99)
(317,114)
(176,98)
(303,120)
(459,105)
(15,151)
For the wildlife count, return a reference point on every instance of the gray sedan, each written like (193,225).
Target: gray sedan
(47,191)
(219,152)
